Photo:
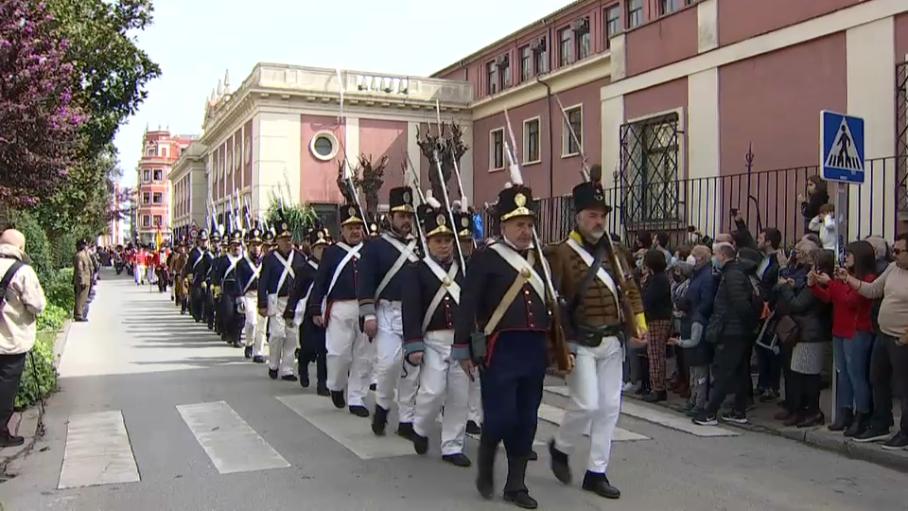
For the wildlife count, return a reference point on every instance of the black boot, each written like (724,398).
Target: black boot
(379,420)
(248,352)
(304,375)
(485,478)
(515,489)
(420,443)
(858,425)
(337,397)
(598,484)
(405,430)
(843,420)
(322,390)
(559,461)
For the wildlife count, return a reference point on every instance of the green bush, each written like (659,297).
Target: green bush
(36,244)
(58,288)
(38,380)
(53,317)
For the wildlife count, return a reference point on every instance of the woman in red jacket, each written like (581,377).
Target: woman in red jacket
(852,335)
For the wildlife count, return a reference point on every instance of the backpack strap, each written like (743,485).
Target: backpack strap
(8,277)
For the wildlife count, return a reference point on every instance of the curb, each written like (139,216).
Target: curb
(814,437)
(60,343)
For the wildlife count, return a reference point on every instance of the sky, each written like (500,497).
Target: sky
(196,41)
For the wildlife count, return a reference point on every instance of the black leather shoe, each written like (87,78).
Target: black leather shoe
(420,443)
(304,379)
(321,390)
(405,430)
(11,440)
(560,466)
(533,456)
(359,410)
(337,397)
(289,377)
(248,352)
(458,460)
(473,428)
(655,397)
(379,420)
(258,359)
(598,484)
(272,373)
(521,499)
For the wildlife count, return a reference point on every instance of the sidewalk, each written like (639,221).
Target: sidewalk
(761,421)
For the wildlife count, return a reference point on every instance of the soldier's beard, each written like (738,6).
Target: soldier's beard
(593,236)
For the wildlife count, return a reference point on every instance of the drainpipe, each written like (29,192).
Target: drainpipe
(548,98)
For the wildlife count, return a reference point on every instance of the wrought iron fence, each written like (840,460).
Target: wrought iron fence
(901,138)
(768,198)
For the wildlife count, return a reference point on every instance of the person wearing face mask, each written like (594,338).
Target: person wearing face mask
(697,304)
(334,306)
(431,296)
(379,293)
(889,358)
(601,305)
(502,324)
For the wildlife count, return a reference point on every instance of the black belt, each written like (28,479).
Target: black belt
(592,336)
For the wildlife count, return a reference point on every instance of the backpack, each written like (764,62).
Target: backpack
(7,278)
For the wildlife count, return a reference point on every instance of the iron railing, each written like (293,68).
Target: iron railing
(901,138)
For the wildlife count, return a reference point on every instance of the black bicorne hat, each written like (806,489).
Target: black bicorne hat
(435,221)
(514,202)
(589,195)
(400,199)
(349,214)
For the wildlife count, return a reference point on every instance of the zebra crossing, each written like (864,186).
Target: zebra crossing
(98,448)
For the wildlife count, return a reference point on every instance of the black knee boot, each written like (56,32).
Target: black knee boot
(515,489)
(485,478)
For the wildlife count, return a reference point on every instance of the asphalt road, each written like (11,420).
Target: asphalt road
(206,429)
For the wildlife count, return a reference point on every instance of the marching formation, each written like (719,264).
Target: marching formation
(433,324)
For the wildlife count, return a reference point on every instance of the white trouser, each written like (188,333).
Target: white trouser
(152,276)
(349,352)
(595,385)
(390,371)
(442,382)
(255,325)
(475,402)
(283,341)
(139,273)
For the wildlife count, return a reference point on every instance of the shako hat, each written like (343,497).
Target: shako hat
(236,237)
(589,195)
(514,202)
(464,224)
(254,235)
(318,237)
(435,221)
(203,235)
(349,214)
(400,199)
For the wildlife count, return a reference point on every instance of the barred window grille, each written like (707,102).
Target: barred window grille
(649,172)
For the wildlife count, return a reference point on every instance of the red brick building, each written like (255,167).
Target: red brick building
(153,193)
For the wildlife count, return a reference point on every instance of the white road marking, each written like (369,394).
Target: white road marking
(97,451)
(555,415)
(352,432)
(228,440)
(663,418)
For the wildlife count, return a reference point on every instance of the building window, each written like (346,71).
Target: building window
(491,77)
(670,6)
(146,176)
(612,22)
(146,198)
(634,13)
(531,140)
(526,60)
(581,30)
(146,221)
(158,175)
(565,48)
(496,149)
(157,221)
(149,151)
(158,197)
(569,145)
(541,56)
(323,145)
(504,71)
(164,151)
(649,163)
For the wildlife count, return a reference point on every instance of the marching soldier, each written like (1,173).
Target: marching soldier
(600,306)
(312,341)
(214,254)
(465,227)
(280,269)
(431,293)
(178,262)
(248,271)
(504,295)
(334,306)
(195,271)
(230,291)
(380,307)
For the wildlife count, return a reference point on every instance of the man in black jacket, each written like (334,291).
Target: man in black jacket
(731,330)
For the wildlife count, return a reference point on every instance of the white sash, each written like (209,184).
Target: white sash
(406,254)
(301,305)
(199,259)
(452,288)
(601,274)
(256,271)
(352,252)
(288,270)
(516,261)
(231,267)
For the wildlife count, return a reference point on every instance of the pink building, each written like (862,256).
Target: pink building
(153,192)
(669,95)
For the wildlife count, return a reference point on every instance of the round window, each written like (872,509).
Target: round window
(323,145)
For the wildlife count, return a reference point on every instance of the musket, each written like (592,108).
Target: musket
(348,174)
(248,212)
(422,199)
(447,204)
(464,202)
(561,351)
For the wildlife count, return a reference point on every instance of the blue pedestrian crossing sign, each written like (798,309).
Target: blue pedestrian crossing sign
(841,148)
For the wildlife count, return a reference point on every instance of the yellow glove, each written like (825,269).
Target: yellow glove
(640,325)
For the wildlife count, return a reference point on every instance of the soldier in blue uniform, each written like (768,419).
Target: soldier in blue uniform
(379,294)
(213,254)
(504,298)
(334,306)
(280,269)
(196,270)
(312,338)
(431,293)
(248,271)
(230,291)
